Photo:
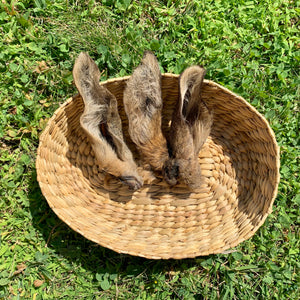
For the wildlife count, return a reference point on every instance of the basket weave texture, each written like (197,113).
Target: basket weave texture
(240,169)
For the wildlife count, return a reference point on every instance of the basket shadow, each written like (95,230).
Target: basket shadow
(92,257)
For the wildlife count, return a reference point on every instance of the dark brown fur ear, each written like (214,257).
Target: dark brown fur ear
(190,85)
(191,123)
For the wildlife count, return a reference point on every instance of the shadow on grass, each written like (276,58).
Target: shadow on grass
(77,249)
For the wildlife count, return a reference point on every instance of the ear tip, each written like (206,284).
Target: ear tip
(203,70)
(195,69)
(148,53)
(80,60)
(192,72)
(84,58)
(83,55)
(149,57)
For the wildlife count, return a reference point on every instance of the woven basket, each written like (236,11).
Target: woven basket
(240,169)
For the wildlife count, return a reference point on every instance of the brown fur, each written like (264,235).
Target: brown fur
(143,105)
(191,124)
(102,123)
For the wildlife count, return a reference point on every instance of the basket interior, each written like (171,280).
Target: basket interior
(239,163)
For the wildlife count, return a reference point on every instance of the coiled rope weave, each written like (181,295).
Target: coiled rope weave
(240,169)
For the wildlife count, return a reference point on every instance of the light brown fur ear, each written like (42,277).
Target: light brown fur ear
(101,122)
(150,60)
(85,73)
(143,105)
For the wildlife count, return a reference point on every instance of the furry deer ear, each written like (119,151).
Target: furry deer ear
(195,110)
(85,73)
(190,127)
(190,84)
(143,106)
(101,122)
(150,60)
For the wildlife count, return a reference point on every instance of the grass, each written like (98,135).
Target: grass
(251,47)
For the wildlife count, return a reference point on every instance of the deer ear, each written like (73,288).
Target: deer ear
(143,106)
(190,84)
(102,123)
(85,73)
(151,62)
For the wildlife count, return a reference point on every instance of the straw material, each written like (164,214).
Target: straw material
(240,169)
